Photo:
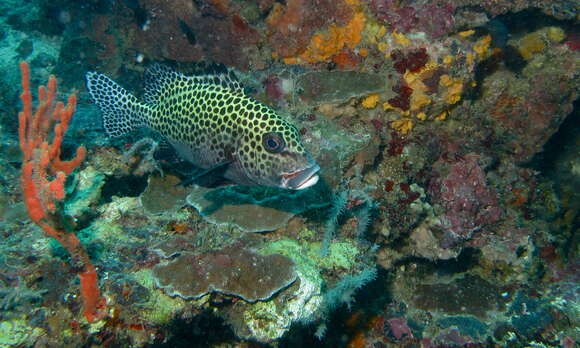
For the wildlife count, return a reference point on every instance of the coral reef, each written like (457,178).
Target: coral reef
(446,214)
(163,195)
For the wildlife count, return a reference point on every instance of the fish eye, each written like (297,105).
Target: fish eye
(273,142)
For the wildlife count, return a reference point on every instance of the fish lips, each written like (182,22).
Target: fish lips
(301,179)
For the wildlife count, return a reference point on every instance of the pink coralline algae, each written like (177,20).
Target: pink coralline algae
(573,41)
(434,18)
(470,205)
(399,328)
(231,271)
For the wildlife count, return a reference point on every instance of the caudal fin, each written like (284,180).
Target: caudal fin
(122,112)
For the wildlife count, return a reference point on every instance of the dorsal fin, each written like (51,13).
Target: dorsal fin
(218,74)
(159,77)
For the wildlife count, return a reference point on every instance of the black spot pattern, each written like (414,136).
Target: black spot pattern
(208,113)
(122,112)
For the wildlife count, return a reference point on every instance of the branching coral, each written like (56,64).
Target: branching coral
(343,293)
(44,175)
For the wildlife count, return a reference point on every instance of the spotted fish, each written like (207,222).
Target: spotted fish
(211,123)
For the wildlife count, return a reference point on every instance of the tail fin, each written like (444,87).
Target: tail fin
(122,112)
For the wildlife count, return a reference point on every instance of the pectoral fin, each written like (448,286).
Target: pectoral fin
(216,171)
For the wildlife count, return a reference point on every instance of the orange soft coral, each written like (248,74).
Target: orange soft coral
(44,175)
(325,45)
(335,43)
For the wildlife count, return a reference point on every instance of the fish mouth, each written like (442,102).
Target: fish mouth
(301,179)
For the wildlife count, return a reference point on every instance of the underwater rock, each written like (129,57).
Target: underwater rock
(399,328)
(187,31)
(252,209)
(128,291)
(468,295)
(173,245)
(425,244)
(469,204)
(527,109)
(434,18)
(291,26)
(163,195)
(231,271)
(466,325)
(4,204)
(335,86)
(561,9)
(11,212)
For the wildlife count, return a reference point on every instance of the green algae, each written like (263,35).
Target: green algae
(159,307)
(17,332)
(298,253)
(307,254)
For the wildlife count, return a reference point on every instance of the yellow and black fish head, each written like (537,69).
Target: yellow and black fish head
(273,155)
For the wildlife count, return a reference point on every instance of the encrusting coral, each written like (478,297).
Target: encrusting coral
(231,271)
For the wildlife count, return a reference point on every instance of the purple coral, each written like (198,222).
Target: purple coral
(232,271)
(470,204)
(435,17)
(399,328)
(401,18)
